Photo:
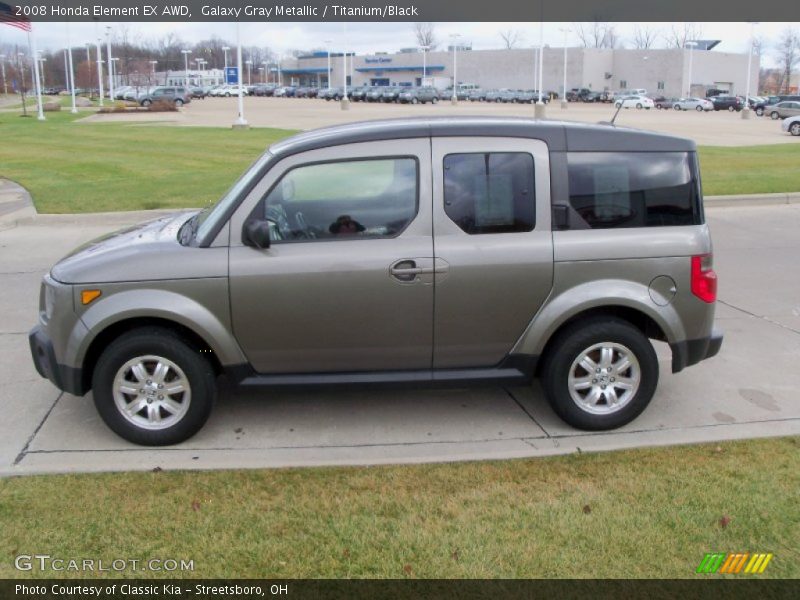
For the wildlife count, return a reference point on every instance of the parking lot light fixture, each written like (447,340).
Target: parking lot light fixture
(3,67)
(454,97)
(225,53)
(71,74)
(564,103)
(186,54)
(539,108)
(110,62)
(100,71)
(689,83)
(328,46)
(746,108)
(424,63)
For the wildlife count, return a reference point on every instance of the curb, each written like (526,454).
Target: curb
(752,200)
(16,203)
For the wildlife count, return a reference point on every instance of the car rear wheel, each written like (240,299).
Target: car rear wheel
(774,115)
(600,373)
(178,102)
(153,388)
(638,105)
(760,112)
(677,107)
(794,128)
(146,102)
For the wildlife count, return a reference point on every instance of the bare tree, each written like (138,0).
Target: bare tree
(644,38)
(511,37)
(680,33)
(597,34)
(426,35)
(788,55)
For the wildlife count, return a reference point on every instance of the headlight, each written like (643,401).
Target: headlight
(49,300)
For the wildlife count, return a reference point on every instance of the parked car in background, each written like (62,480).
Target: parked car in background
(151,317)
(390,94)
(761,107)
(782,110)
(477,95)
(729,103)
(663,102)
(634,102)
(593,97)
(419,95)
(375,93)
(492,96)
(198,92)
(791,125)
(698,104)
(178,95)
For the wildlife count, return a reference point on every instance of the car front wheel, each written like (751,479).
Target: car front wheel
(760,112)
(774,116)
(677,107)
(699,108)
(178,102)
(153,388)
(146,102)
(600,373)
(794,128)
(638,105)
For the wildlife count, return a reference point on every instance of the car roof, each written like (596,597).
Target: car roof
(560,136)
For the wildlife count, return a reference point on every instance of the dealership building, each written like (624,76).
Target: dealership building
(659,71)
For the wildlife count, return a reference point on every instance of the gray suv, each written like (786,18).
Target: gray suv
(418,251)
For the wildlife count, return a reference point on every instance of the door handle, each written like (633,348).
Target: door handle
(407,270)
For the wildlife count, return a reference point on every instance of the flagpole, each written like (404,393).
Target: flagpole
(34,53)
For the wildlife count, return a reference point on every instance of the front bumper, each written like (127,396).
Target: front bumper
(691,352)
(63,377)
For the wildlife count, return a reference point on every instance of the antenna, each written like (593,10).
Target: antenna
(619,108)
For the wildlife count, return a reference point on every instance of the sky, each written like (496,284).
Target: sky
(366,38)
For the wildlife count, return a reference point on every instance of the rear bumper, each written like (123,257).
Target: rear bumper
(691,352)
(63,377)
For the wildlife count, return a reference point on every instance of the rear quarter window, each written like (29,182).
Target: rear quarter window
(634,189)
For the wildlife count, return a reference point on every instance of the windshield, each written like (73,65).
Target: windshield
(210,217)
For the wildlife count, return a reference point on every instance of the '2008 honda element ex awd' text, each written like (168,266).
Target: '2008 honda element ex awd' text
(421,251)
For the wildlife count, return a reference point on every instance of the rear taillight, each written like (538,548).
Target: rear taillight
(704,279)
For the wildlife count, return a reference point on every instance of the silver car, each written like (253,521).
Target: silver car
(698,104)
(552,250)
(782,110)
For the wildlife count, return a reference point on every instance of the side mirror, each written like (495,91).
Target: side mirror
(560,216)
(256,233)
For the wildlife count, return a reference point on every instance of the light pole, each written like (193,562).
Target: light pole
(263,74)
(454,97)
(564,103)
(113,69)
(241,122)
(225,52)
(186,54)
(3,67)
(264,69)
(538,111)
(42,60)
(689,83)
(100,70)
(746,109)
(71,74)
(424,63)
(21,69)
(110,62)
(328,46)
(249,64)
(153,64)
(345,100)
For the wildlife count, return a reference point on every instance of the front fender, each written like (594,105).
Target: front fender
(601,293)
(209,319)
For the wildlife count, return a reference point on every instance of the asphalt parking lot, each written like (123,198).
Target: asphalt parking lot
(721,128)
(749,390)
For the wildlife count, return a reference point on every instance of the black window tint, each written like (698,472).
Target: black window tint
(490,193)
(351,199)
(634,189)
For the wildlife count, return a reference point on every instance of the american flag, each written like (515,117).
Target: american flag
(9,17)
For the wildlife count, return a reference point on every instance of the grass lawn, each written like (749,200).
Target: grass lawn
(76,167)
(638,513)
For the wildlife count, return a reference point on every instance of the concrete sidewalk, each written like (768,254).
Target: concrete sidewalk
(749,390)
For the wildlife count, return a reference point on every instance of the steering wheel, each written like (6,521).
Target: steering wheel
(303,231)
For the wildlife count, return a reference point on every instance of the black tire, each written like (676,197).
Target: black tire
(146,102)
(639,105)
(731,108)
(414,101)
(760,112)
(178,102)
(434,100)
(698,108)
(162,343)
(774,115)
(794,128)
(565,349)
(677,107)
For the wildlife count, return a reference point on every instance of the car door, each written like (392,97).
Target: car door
(492,244)
(347,283)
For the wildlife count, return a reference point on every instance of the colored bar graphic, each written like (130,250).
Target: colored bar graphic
(734,562)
